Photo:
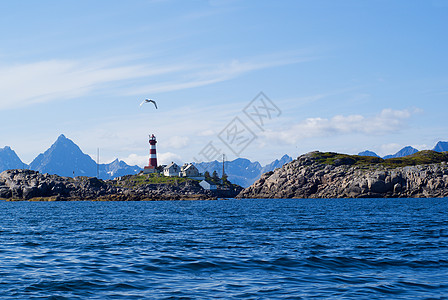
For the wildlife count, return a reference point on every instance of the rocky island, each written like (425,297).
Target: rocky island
(313,175)
(332,175)
(20,184)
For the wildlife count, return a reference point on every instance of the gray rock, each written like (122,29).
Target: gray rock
(397,188)
(307,178)
(26,184)
(378,187)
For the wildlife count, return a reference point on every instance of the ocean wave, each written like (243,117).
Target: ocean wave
(282,249)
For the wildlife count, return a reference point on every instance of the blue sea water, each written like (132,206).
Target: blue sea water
(238,249)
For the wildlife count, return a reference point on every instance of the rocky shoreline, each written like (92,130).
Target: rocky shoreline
(17,185)
(309,177)
(313,175)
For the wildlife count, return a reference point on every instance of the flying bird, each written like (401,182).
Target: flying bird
(147,101)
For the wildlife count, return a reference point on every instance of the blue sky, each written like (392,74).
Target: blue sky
(346,76)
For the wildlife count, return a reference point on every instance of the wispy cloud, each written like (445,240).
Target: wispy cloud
(206,74)
(37,82)
(387,121)
(29,83)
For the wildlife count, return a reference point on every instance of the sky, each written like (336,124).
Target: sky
(251,79)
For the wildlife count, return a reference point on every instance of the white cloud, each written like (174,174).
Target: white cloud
(143,160)
(387,121)
(25,84)
(202,75)
(167,157)
(57,80)
(30,83)
(134,159)
(177,142)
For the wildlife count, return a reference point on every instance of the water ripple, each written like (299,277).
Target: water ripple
(248,249)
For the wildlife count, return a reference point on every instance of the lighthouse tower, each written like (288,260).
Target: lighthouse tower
(151,168)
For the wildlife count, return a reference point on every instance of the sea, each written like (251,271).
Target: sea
(225,249)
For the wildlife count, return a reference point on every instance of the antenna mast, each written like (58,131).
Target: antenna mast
(223,171)
(98,163)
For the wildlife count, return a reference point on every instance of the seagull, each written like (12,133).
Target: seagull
(147,101)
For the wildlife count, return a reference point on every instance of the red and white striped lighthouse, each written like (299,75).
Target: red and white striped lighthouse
(151,168)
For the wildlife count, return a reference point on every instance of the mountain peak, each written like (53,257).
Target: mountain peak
(10,160)
(286,157)
(63,142)
(63,139)
(441,146)
(409,148)
(63,158)
(368,153)
(406,151)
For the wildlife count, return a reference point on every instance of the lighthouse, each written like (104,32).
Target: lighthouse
(151,168)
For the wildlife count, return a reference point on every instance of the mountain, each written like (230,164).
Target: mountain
(117,168)
(441,147)
(276,164)
(241,171)
(65,158)
(10,160)
(368,153)
(406,151)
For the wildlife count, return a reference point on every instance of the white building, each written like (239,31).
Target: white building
(207,185)
(171,170)
(189,170)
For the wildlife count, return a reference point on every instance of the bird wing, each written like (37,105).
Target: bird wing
(143,102)
(155,104)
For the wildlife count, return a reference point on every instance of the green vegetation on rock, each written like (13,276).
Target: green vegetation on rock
(332,175)
(420,158)
(137,180)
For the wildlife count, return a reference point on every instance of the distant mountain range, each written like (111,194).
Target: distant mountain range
(242,171)
(65,158)
(406,151)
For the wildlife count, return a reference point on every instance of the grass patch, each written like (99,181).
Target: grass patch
(420,158)
(138,180)
(332,158)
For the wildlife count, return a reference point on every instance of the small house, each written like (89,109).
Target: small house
(189,170)
(208,185)
(171,170)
